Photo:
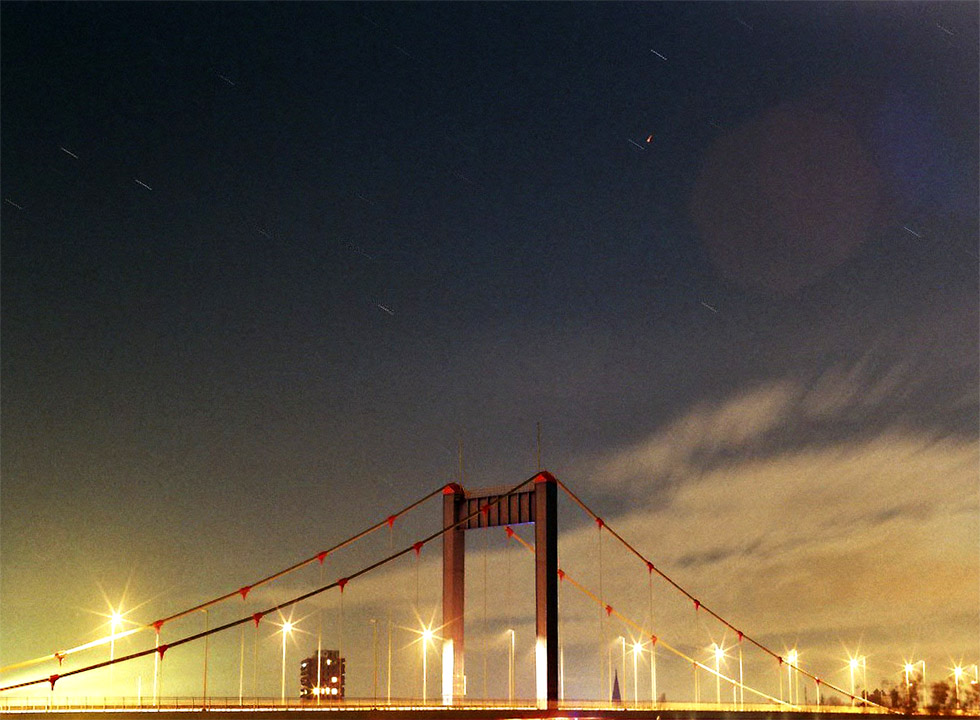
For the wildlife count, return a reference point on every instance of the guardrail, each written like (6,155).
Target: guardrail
(56,704)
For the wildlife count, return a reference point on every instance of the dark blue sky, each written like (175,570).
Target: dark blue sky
(251,251)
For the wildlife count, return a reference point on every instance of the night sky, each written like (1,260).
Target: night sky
(265,266)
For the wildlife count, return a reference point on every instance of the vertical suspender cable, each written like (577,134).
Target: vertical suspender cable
(156,667)
(602,626)
(207,639)
(319,642)
(391,541)
(255,665)
(241,659)
(741,688)
(653,645)
(343,660)
(486,627)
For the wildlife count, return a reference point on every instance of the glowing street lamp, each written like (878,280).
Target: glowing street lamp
(426,639)
(853,665)
(719,654)
(287,627)
(910,675)
(637,649)
(790,666)
(115,620)
(957,674)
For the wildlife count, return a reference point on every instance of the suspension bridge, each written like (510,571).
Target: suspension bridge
(614,654)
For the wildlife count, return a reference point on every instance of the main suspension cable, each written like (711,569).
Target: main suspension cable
(242,591)
(256,617)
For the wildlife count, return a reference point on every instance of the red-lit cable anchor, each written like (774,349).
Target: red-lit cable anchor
(243,591)
(161,650)
(53,679)
(321,556)
(257,617)
(390,521)
(609,610)
(342,582)
(417,547)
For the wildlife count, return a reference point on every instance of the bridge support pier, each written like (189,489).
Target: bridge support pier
(537,503)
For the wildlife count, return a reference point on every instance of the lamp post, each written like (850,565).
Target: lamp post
(719,654)
(637,649)
(957,673)
(115,620)
(790,666)
(853,664)
(426,638)
(510,668)
(287,628)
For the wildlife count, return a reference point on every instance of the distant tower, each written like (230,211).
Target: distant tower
(332,677)
(616,697)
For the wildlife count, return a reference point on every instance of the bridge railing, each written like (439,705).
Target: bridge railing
(70,703)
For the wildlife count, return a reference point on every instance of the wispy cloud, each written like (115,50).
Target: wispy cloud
(797,530)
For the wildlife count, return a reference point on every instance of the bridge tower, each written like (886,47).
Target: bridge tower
(536,503)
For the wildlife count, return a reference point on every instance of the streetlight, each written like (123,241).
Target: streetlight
(287,627)
(790,666)
(510,668)
(853,664)
(637,649)
(957,673)
(719,654)
(115,620)
(426,639)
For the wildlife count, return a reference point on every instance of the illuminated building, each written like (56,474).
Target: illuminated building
(331,680)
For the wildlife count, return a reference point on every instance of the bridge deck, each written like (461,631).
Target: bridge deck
(448,713)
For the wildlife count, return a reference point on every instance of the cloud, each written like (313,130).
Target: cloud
(795,530)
